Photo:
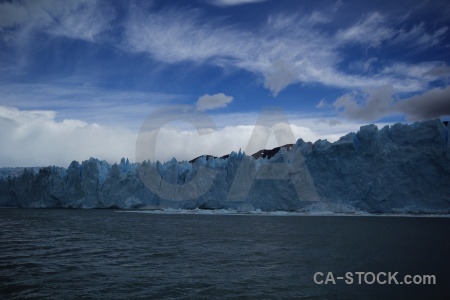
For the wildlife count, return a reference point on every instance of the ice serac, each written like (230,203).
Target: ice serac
(397,169)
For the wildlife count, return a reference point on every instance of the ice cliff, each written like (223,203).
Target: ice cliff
(398,169)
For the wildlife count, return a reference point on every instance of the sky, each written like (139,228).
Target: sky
(79,79)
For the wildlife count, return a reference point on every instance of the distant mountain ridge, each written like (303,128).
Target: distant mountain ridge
(397,169)
(15,171)
(261,153)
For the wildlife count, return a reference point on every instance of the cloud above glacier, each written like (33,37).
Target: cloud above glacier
(36,138)
(109,107)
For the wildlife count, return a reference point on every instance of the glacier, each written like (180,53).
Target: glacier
(397,169)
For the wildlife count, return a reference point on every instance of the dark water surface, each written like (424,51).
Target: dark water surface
(104,254)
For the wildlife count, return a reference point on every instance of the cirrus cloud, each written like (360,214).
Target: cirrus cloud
(286,49)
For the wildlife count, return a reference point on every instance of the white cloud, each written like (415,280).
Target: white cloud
(94,105)
(178,35)
(88,23)
(371,30)
(187,144)
(287,49)
(418,36)
(74,19)
(208,102)
(189,37)
(35,138)
(374,28)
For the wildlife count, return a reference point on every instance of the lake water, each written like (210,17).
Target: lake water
(106,254)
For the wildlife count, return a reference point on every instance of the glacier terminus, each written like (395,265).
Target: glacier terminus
(397,169)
